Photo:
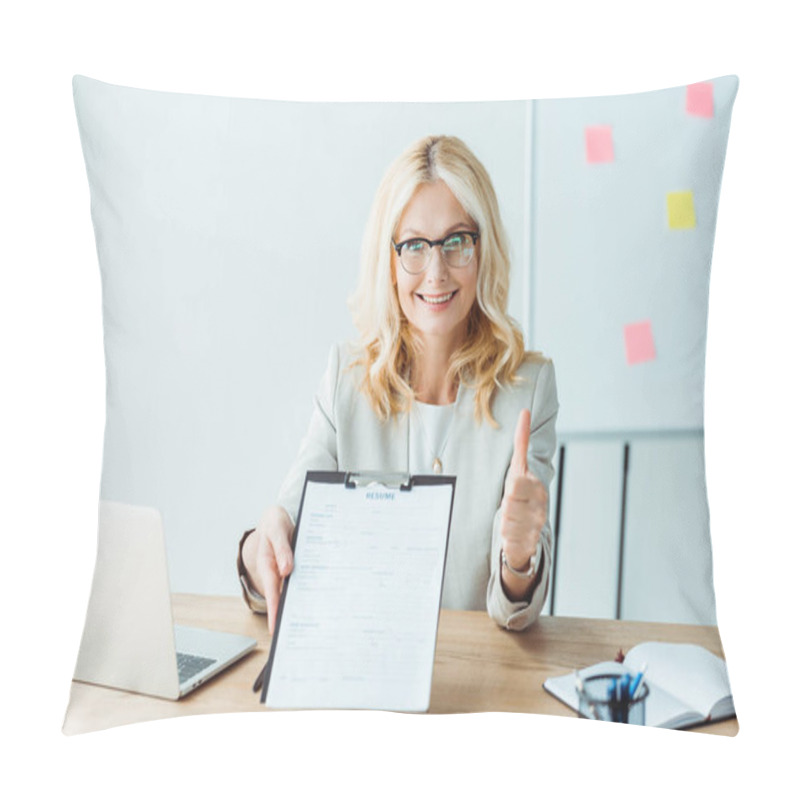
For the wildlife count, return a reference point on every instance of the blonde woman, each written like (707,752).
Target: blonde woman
(439,382)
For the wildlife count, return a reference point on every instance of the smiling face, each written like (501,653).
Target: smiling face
(436,302)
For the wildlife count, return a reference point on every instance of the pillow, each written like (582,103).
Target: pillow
(228,236)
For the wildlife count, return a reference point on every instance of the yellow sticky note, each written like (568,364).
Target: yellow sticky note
(680,209)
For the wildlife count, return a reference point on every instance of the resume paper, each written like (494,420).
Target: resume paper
(360,613)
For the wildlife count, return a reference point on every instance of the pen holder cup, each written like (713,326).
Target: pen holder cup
(597,700)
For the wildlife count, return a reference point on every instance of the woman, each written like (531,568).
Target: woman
(440,382)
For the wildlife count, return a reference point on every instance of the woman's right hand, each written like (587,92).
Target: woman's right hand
(268,558)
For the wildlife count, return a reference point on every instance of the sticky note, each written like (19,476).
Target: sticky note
(680,210)
(700,99)
(599,144)
(639,344)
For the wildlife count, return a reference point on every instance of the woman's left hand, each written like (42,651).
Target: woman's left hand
(523,511)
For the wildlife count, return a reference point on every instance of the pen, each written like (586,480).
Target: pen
(626,698)
(612,700)
(260,679)
(637,680)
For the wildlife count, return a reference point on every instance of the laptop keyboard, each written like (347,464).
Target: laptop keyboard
(189,665)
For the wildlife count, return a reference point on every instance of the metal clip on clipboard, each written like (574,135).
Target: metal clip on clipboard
(391,480)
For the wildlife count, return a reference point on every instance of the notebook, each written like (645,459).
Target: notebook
(129,640)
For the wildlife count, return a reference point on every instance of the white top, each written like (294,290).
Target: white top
(428,434)
(344,434)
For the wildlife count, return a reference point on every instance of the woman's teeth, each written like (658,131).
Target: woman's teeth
(437,299)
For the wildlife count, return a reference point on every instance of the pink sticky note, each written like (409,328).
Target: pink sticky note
(599,144)
(700,99)
(639,342)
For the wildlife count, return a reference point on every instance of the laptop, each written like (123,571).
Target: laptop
(130,641)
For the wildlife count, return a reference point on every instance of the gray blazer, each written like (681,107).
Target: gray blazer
(344,434)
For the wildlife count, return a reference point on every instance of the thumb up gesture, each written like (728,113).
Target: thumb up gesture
(523,511)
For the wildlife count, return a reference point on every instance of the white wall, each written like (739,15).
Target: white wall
(641,554)
(225,282)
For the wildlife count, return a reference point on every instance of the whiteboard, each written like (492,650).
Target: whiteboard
(605,256)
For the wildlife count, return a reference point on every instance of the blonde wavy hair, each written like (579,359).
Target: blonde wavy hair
(494,349)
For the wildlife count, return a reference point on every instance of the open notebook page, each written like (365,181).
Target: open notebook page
(690,672)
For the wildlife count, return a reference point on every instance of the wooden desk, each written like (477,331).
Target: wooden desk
(478,667)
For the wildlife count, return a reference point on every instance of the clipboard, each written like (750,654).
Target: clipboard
(358,615)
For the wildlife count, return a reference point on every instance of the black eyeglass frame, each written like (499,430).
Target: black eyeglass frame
(431,244)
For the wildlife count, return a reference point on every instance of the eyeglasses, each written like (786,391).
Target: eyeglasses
(458,250)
